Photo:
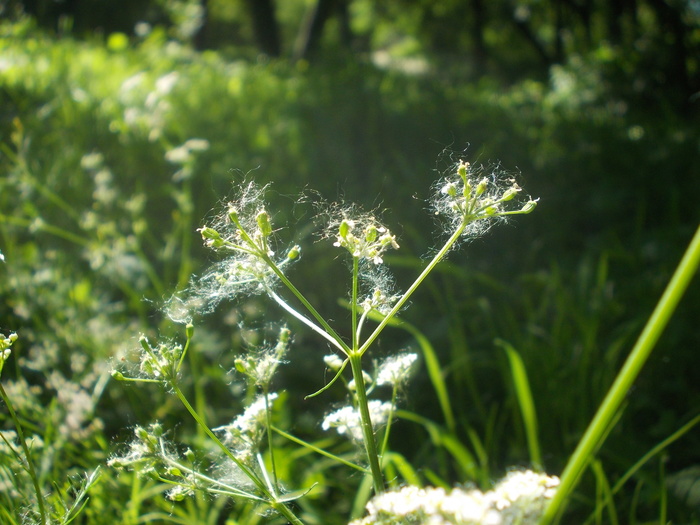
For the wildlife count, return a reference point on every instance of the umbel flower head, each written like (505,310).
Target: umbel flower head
(347,420)
(519,499)
(362,235)
(242,232)
(476,199)
(244,433)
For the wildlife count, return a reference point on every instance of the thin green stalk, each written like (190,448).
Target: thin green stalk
(328,328)
(353,303)
(431,265)
(271,448)
(318,450)
(367,429)
(308,322)
(387,430)
(28,459)
(271,498)
(592,439)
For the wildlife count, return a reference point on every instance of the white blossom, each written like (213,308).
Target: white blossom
(395,369)
(347,420)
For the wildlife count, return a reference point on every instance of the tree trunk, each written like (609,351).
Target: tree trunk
(265,26)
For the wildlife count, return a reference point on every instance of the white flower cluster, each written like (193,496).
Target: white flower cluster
(5,345)
(365,239)
(519,499)
(243,231)
(244,432)
(260,366)
(395,369)
(474,199)
(347,420)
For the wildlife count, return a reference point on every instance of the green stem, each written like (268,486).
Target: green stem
(431,265)
(318,450)
(367,429)
(328,328)
(260,484)
(25,449)
(593,437)
(271,448)
(353,303)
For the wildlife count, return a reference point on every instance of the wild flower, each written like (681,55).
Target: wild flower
(145,451)
(244,433)
(470,197)
(519,499)
(261,366)
(347,420)
(365,238)
(396,369)
(5,347)
(242,233)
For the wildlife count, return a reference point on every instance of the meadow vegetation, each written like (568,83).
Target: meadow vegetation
(148,379)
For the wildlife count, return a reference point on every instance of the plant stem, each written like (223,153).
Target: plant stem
(271,499)
(319,318)
(367,429)
(431,265)
(593,437)
(28,459)
(353,303)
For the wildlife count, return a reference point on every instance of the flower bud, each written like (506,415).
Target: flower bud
(529,206)
(285,333)
(208,233)
(371,233)
(263,219)
(344,228)
(449,189)
(189,330)
(293,252)
(233,215)
(157,429)
(117,375)
(462,169)
(511,192)
(481,187)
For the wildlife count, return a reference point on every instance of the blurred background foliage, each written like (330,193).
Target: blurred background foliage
(124,123)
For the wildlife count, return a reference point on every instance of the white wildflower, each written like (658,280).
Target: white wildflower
(364,238)
(347,420)
(244,433)
(469,196)
(396,369)
(519,499)
(333,361)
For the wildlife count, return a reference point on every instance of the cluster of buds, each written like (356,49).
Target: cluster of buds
(261,366)
(144,451)
(379,301)
(244,232)
(5,345)
(245,432)
(467,198)
(365,241)
(157,363)
(149,455)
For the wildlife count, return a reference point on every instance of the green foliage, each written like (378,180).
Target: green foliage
(113,149)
